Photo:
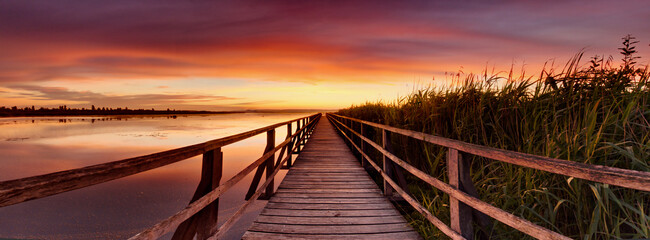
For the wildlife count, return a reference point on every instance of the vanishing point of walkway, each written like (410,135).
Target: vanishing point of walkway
(328,195)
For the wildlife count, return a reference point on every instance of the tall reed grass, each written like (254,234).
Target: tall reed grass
(595,113)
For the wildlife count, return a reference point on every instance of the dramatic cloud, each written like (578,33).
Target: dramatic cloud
(300,41)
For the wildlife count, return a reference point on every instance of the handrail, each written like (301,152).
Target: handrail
(597,173)
(168,224)
(25,189)
(641,180)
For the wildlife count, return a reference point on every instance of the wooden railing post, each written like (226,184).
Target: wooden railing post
(364,164)
(270,144)
(289,146)
(204,223)
(298,149)
(386,165)
(461,214)
(304,132)
(267,165)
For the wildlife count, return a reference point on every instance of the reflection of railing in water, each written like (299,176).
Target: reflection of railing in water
(463,196)
(200,216)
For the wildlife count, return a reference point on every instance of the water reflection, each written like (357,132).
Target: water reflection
(120,208)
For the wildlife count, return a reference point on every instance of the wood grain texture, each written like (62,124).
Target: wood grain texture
(382,236)
(460,214)
(328,195)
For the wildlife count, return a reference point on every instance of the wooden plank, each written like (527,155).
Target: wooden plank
(328,200)
(324,166)
(324,177)
(327,180)
(329,171)
(327,167)
(338,229)
(384,236)
(328,191)
(336,182)
(317,179)
(330,213)
(328,186)
(326,174)
(330,220)
(333,184)
(325,206)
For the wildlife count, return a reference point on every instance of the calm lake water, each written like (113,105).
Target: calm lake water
(121,208)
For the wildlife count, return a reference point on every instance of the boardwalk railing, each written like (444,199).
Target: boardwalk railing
(200,216)
(462,194)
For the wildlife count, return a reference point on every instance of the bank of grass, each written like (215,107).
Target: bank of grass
(595,113)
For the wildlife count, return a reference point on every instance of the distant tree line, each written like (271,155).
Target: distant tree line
(64,110)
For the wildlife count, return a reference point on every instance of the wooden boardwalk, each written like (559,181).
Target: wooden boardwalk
(328,195)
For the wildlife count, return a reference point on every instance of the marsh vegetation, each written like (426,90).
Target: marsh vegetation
(594,112)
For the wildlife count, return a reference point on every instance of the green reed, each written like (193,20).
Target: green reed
(595,113)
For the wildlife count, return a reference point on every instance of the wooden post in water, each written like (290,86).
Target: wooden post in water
(204,223)
(267,165)
(386,164)
(270,144)
(461,214)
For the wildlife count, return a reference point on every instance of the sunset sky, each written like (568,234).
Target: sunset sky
(236,55)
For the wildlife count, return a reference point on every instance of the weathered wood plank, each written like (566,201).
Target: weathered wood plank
(329,168)
(330,213)
(324,229)
(328,191)
(315,179)
(328,186)
(383,236)
(331,181)
(325,206)
(328,200)
(330,220)
(316,174)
